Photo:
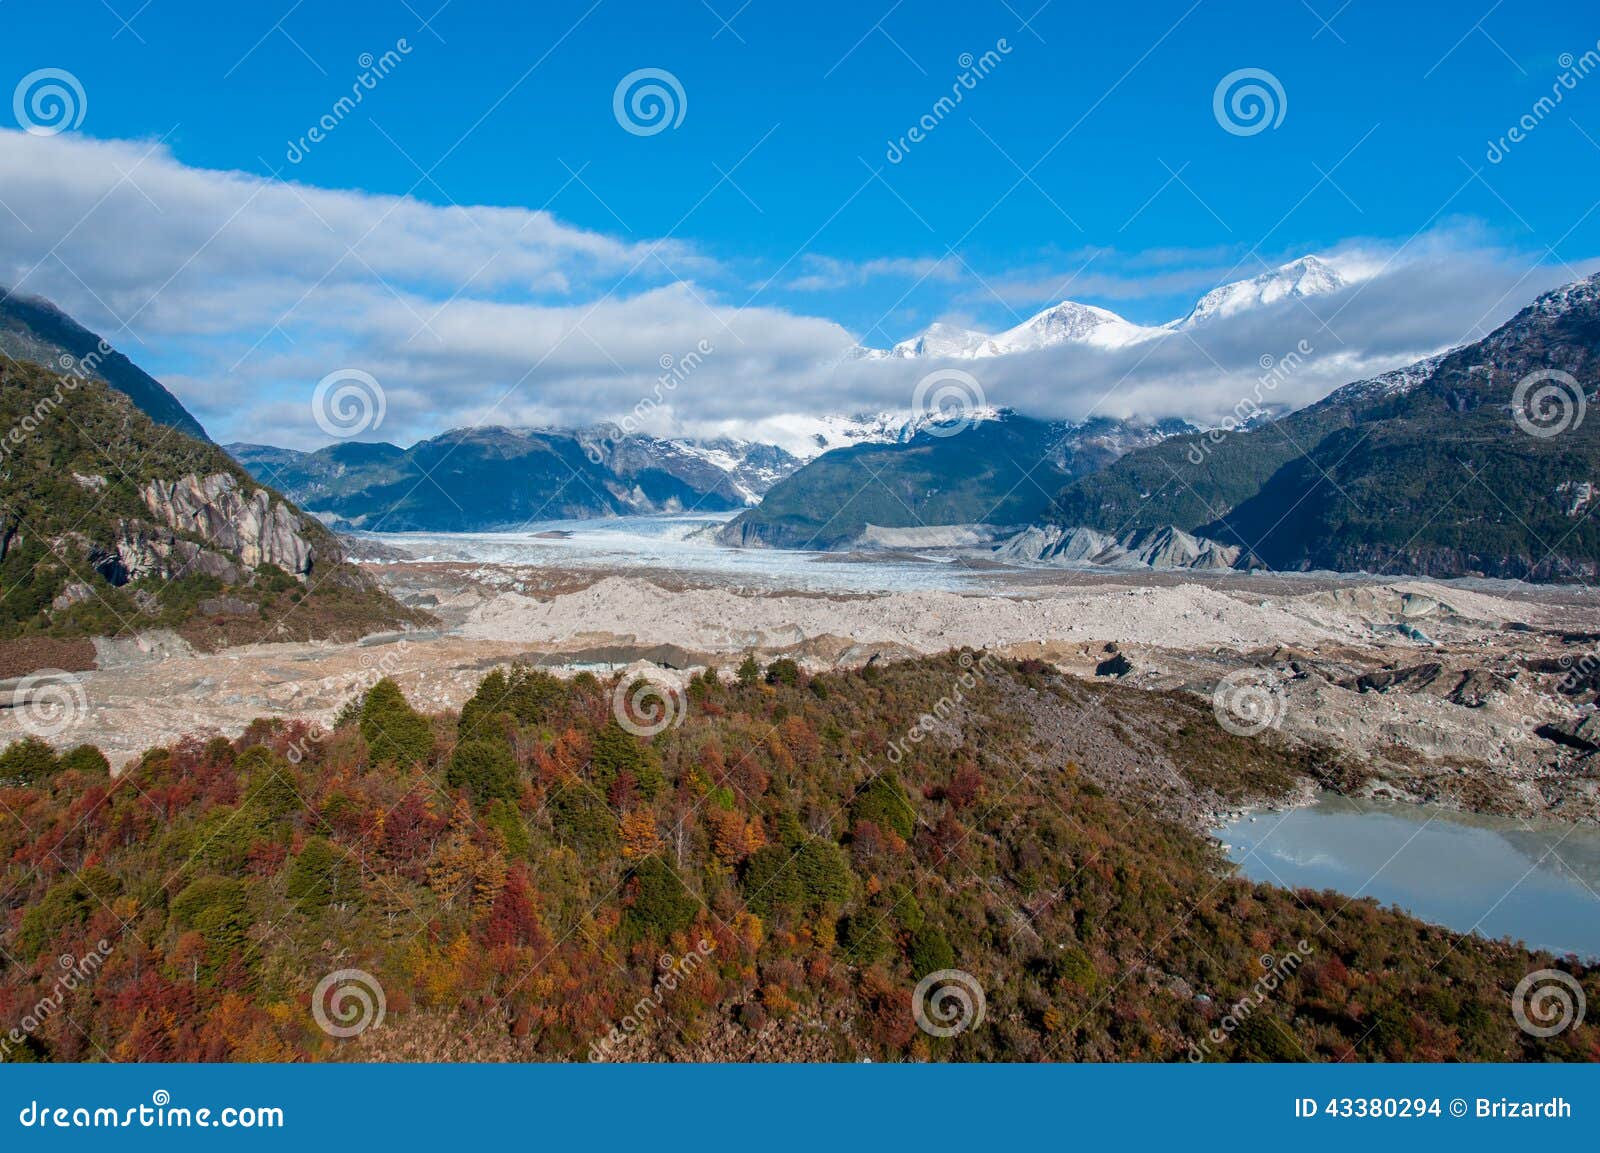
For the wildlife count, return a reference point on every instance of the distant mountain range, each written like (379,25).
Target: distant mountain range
(34,330)
(1072,323)
(1428,469)
(1002,470)
(483,479)
(479,479)
(1437,469)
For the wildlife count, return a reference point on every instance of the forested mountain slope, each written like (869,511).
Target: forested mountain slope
(531,880)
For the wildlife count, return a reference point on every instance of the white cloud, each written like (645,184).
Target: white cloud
(243,292)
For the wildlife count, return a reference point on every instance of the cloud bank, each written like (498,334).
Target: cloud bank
(241,293)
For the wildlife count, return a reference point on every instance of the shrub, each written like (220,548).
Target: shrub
(395,732)
(783,671)
(582,819)
(884,802)
(864,937)
(486,768)
(270,786)
(661,905)
(530,696)
(824,872)
(1074,966)
(930,951)
(205,893)
(85,759)
(615,751)
(65,904)
(771,882)
(321,876)
(27,761)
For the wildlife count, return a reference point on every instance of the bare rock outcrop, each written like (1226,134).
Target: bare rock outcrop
(250,526)
(142,549)
(1158,548)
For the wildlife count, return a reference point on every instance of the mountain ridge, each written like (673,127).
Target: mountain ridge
(36,330)
(176,536)
(995,472)
(496,477)
(1070,322)
(1355,481)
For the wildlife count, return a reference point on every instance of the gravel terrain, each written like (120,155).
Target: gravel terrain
(1427,690)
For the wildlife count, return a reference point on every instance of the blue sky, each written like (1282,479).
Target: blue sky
(1088,163)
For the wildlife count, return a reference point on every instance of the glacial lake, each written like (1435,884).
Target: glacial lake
(1537,882)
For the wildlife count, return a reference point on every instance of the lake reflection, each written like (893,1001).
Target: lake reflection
(1538,882)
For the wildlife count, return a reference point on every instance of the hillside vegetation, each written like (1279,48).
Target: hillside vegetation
(996,472)
(32,329)
(522,880)
(99,534)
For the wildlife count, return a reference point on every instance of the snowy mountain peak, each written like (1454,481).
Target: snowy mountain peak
(1304,277)
(1071,322)
(944,340)
(807,436)
(1395,382)
(1559,301)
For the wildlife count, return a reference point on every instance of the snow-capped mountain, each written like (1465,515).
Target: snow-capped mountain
(1305,277)
(1000,472)
(807,437)
(736,470)
(1396,382)
(1072,323)
(945,340)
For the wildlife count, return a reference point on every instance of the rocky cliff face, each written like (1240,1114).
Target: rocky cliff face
(243,531)
(181,539)
(141,549)
(252,527)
